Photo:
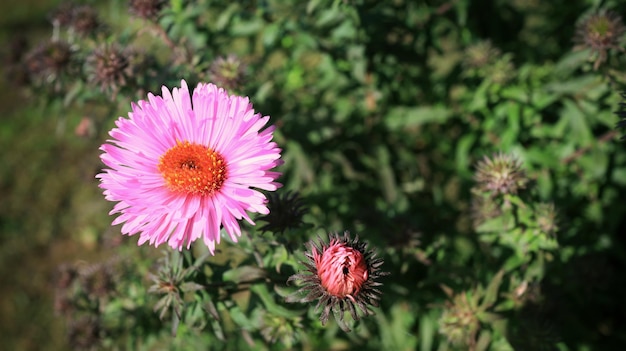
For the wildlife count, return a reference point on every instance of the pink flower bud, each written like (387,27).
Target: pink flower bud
(342,269)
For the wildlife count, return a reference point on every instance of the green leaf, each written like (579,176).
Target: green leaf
(312,5)
(328,17)
(580,130)
(491,294)
(268,301)
(572,86)
(502,223)
(462,158)
(246,28)
(240,318)
(190,287)
(513,262)
(427,330)
(484,340)
(571,62)
(480,98)
(404,117)
(244,274)
(270,35)
(225,16)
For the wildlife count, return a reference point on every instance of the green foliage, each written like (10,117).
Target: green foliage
(386,112)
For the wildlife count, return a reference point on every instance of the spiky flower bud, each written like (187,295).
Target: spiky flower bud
(502,70)
(109,68)
(147,9)
(280,330)
(547,218)
(600,32)
(228,72)
(286,211)
(484,60)
(500,174)
(85,20)
(48,63)
(342,275)
(459,322)
(483,208)
(480,55)
(172,281)
(63,15)
(85,333)
(99,280)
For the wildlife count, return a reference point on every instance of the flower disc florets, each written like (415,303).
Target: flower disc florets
(342,275)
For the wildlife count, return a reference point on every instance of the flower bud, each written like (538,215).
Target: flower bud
(342,275)
(500,174)
(599,33)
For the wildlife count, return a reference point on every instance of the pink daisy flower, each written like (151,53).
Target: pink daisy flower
(181,166)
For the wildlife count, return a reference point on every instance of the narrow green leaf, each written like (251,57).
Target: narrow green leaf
(268,301)
(491,294)
(410,117)
(244,274)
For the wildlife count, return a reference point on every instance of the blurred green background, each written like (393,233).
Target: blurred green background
(48,195)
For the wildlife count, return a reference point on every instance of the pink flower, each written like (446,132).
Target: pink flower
(342,275)
(181,166)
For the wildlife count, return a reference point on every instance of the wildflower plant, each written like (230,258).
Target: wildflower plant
(474,149)
(466,313)
(503,213)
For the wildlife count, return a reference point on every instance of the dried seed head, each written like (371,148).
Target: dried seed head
(85,20)
(147,9)
(277,329)
(480,54)
(502,70)
(600,32)
(547,218)
(63,15)
(459,321)
(109,68)
(484,208)
(228,73)
(286,212)
(48,63)
(500,174)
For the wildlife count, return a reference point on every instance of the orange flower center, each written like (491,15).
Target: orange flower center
(193,169)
